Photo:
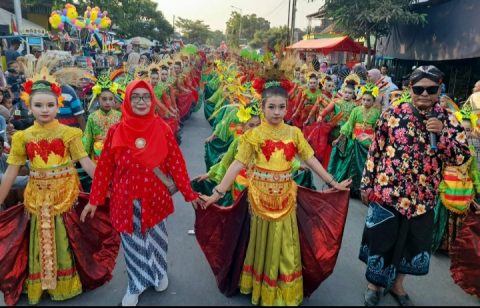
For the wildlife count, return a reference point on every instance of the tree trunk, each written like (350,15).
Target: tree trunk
(375,46)
(369,46)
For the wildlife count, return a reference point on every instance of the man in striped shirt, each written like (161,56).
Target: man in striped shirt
(72,113)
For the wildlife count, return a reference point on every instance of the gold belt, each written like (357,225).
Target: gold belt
(272,194)
(55,173)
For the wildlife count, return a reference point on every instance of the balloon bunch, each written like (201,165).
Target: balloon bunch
(93,19)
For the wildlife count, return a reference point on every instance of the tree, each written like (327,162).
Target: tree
(244,27)
(274,38)
(371,19)
(194,31)
(216,38)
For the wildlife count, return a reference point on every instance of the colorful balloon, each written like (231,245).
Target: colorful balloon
(71,11)
(55,20)
(105,23)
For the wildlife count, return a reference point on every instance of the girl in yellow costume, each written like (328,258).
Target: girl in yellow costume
(51,261)
(272,265)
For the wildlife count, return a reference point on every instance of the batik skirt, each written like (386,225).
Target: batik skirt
(145,254)
(393,244)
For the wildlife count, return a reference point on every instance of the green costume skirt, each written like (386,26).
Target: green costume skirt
(68,281)
(214,151)
(349,163)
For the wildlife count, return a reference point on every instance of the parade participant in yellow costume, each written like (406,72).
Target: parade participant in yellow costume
(60,257)
(270,268)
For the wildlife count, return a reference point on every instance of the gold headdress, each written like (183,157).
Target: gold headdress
(41,81)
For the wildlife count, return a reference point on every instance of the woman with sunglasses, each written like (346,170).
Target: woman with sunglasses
(400,181)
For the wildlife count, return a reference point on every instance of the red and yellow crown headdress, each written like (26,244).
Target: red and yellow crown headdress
(33,84)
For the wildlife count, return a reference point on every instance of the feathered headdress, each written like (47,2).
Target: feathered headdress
(271,77)
(352,79)
(105,83)
(466,113)
(371,89)
(41,81)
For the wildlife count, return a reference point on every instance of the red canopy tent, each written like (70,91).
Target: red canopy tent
(328,45)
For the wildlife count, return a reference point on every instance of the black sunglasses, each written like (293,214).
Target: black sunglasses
(417,90)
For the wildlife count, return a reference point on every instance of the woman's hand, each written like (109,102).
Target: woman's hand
(88,209)
(202,177)
(199,202)
(343,185)
(364,197)
(334,143)
(210,139)
(211,199)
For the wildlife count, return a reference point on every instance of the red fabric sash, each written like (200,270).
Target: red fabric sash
(223,234)
(95,245)
(465,255)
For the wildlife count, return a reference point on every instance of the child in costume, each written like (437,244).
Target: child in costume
(249,117)
(100,121)
(351,147)
(47,250)
(275,267)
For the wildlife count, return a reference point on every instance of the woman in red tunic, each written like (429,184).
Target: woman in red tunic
(136,147)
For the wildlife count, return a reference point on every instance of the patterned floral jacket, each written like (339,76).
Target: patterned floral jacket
(402,171)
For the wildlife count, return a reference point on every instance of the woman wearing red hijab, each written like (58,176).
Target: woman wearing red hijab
(139,201)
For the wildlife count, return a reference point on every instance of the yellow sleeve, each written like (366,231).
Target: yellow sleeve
(73,140)
(18,152)
(305,151)
(246,149)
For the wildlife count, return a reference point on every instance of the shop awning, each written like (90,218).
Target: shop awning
(328,45)
(28,27)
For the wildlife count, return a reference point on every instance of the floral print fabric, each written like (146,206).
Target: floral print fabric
(402,170)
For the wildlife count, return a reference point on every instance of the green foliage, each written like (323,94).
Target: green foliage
(360,18)
(371,18)
(244,27)
(273,38)
(216,38)
(197,32)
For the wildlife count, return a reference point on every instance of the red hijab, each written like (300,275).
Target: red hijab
(143,135)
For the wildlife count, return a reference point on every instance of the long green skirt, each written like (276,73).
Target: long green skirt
(440,222)
(272,269)
(349,164)
(68,281)
(208,109)
(214,151)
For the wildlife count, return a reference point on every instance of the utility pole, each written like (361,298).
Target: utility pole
(173,24)
(18,14)
(288,22)
(294,11)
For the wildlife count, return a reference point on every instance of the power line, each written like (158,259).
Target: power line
(275,9)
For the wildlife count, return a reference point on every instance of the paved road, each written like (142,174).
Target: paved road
(192,282)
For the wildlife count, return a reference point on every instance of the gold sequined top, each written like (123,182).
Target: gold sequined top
(271,150)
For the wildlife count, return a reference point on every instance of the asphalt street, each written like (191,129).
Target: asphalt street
(192,282)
